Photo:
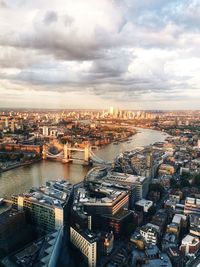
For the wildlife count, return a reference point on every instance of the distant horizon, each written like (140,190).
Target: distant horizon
(92,109)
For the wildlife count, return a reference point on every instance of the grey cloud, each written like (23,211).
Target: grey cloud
(63,40)
(112,66)
(2,4)
(68,20)
(50,17)
(107,76)
(57,44)
(11,57)
(53,39)
(70,45)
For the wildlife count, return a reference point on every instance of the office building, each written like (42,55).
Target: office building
(86,243)
(108,242)
(111,111)
(144,205)
(45,131)
(141,183)
(195,225)
(117,222)
(104,198)
(192,206)
(198,143)
(14,230)
(46,207)
(190,245)
(150,233)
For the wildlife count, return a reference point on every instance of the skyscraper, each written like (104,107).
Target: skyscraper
(111,110)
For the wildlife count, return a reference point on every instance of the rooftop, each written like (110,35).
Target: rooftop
(120,215)
(98,194)
(170,237)
(98,173)
(178,218)
(192,201)
(143,202)
(128,178)
(88,235)
(149,227)
(189,239)
(55,193)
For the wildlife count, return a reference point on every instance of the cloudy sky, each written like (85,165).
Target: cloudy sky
(134,54)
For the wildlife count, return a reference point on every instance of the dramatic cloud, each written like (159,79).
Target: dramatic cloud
(124,52)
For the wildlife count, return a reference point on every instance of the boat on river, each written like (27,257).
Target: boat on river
(115,143)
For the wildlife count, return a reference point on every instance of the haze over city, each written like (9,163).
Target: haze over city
(88,54)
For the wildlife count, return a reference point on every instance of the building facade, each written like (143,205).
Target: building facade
(86,242)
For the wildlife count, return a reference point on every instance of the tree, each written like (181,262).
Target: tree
(173,183)
(196,181)
(186,175)
(185,182)
(156,187)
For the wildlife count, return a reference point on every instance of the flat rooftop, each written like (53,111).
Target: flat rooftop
(56,193)
(128,178)
(144,202)
(88,235)
(99,173)
(109,195)
(189,239)
(120,215)
(42,199)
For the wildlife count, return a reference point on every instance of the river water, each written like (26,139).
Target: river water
(22,179)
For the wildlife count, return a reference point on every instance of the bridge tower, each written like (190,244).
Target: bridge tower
(66,154)
(87,154)
(44,152)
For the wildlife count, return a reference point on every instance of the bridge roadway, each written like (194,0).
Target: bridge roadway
(76,149)
(65,155)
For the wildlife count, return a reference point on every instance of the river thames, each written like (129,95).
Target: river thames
(22,179)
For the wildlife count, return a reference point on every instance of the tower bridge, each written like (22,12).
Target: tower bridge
(65,153)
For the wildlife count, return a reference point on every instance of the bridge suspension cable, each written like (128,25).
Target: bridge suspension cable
(49,154)
(97,159)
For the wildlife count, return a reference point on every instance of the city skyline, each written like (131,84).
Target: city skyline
(96,54)
(99,188)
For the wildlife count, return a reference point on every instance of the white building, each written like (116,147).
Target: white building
(47,205)
(190,245)
(198,143)
(141,183)
(86,242)
(144,204)
(192,206)
(111,111)
(150,233)
(45,130)
(46,215)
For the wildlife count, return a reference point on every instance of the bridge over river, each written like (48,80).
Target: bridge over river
(22,179)
(66,154)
